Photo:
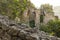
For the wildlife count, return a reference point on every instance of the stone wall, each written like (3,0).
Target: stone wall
(32,14)
(29,15)
(48,17)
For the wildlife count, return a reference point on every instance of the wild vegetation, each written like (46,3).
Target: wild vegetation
(53,26)
(14,8)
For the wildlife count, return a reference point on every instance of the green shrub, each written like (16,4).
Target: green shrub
(32,23)
(52,27)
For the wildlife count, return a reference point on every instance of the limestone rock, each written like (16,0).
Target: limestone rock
(10,30)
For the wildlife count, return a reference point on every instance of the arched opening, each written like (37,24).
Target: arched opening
(32,20)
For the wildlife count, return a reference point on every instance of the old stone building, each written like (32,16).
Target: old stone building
(32,17)
(48,17)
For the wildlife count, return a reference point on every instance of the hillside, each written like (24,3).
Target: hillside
(10,30)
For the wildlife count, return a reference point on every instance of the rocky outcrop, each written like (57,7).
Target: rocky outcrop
(10,30)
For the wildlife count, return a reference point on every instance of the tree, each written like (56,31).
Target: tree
(14,8)
(47,8)
(55,26)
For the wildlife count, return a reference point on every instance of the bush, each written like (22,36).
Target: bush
(32,23)
(52,27)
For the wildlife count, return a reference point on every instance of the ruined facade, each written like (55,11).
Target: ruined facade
(48,17)
(33,16)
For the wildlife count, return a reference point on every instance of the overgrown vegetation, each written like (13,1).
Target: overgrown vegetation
(47,8)
(14,8)
(32,23)
(41,18)
(52,27)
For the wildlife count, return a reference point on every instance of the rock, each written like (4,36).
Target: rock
(58,38)
(0,39)
(1,32)
(6,37)
(10,30)
(13,32)
(14,38)
(53,38)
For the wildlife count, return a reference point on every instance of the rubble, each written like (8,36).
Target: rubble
(10,30)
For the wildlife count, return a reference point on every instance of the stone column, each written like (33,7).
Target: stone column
(26,17)
(37,19)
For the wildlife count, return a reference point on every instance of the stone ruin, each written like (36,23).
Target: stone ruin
(10,30)
(35,14)
(32,15)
